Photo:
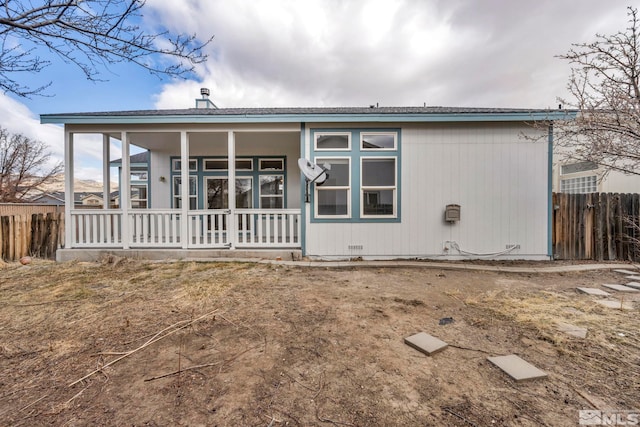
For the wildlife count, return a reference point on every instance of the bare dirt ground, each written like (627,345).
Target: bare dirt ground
(231,344)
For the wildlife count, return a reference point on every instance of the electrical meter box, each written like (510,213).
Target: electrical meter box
(452,213)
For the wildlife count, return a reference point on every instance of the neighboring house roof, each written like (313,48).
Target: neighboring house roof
(50,198)
(136,158)
(79,196)
(319,114)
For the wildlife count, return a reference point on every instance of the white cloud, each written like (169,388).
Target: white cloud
(17,118)
(331,52)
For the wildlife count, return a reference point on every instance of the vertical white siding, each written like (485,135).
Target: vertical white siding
(497,177)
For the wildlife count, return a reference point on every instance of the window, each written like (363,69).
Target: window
(138,175)
(177,165)
(271,164)
(578,167)
(223,164)
(580,185)
(332,141)
(363,183)
(271,191)
(218,193)
(138,196)
(333,196)
(378,187)
(378,141)
(193,192)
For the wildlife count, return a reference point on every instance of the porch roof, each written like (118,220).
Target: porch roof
(311,114)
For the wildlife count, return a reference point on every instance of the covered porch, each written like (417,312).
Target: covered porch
(241,189)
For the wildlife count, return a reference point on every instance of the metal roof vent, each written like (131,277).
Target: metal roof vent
(205,102)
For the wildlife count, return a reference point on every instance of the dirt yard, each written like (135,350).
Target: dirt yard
(233,344)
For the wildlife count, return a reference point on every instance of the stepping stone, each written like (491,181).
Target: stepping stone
(572,310)
(593,291)
(620,288)
(632,277)
(425,343)
(634,285)
(516,368)
(573,330)
(627,271)
(615,304)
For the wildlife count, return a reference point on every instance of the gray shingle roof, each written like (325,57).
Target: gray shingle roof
(306,111)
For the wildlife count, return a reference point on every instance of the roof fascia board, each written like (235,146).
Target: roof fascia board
(295,118)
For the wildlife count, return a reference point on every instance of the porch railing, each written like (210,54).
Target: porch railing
(161,228)
(95,228)
(268,227)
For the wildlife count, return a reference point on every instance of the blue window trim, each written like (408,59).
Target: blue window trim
(255,174)
(146,183)
(356,154)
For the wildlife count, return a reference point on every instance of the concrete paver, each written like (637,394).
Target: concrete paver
(635,285)
(593,291)
(619,288)
(631,272)
(632,277)
(517,368)
(425,343)
(620,305)
(573,330)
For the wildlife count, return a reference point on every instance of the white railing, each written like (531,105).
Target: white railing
(268,227)
(208,229)
(161,228)
(96,228)
(154,228)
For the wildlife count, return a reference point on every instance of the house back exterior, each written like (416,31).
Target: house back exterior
(412,182)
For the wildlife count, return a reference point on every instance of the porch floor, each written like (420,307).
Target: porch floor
(85,254)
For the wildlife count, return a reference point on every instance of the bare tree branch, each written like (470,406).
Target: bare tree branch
(91,34)
(23,166)
(605,87)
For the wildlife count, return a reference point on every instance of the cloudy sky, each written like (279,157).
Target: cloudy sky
(488,53)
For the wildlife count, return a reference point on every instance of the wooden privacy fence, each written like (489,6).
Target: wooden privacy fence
(596,226)
(38,235)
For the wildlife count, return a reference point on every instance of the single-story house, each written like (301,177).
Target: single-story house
(404,182)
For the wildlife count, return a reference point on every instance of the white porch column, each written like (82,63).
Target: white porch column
(106,171)
(125,191)
(69,200)
(231,188)
(184,189)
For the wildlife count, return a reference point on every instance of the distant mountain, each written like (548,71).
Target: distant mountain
(79,185)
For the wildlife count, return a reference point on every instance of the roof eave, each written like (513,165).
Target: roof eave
(298,118)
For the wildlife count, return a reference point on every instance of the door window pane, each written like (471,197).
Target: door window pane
(218,193)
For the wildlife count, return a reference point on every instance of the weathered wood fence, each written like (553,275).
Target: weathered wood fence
(596,226)
(38,235)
